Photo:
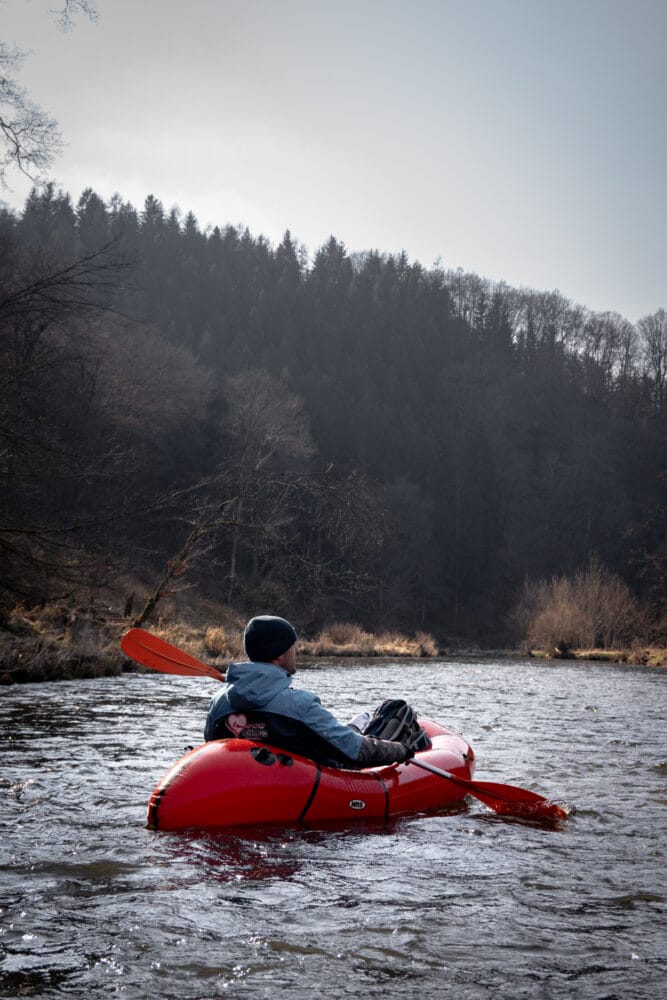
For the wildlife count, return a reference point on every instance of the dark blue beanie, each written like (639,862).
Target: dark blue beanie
(267,637)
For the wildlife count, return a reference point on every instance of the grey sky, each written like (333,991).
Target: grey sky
(522,139)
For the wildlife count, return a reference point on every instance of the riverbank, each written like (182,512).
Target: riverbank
(59,642)
(650,656)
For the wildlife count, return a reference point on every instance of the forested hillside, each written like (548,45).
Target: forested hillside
(344,436)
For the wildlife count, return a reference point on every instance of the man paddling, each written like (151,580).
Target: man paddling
(258,703)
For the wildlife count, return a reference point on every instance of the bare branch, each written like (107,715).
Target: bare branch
(177,567)
(67,14)
(29,138)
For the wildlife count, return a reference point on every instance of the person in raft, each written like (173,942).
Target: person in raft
(258,703)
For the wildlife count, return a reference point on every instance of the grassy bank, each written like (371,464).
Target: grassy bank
(64,642)
(651,656)
(59,642)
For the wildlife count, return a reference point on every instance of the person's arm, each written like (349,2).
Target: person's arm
(341,738)
(374,752)
(366,751)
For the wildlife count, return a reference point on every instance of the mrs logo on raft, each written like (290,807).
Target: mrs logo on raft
(357,804)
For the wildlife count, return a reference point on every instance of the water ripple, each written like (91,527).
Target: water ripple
(463,904)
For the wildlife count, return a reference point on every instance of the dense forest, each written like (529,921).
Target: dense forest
(343,436)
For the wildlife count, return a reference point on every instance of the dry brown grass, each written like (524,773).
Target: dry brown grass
(603,655)
(30,659)
(62,641)
(69,639)
(339,639)
(223,642)
(346,639)
(652,656)
(201,627)
(91,623)
(427,644)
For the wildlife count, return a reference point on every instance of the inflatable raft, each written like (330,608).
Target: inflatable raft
(236,782)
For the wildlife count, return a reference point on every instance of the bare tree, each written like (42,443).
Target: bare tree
(265,426)
(67,14)
(653,333)
(29,138)
(50,318)
(594,608)
(198,542)
(266,420)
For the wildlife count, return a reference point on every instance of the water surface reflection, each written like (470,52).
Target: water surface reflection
(461,904)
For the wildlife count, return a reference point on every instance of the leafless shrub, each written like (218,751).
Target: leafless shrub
(592,609)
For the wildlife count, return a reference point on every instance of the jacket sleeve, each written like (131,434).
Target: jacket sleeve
(340,737)
(374,752)
(365,751)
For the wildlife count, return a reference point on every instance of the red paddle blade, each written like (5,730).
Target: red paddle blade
(507,800)
(150,651)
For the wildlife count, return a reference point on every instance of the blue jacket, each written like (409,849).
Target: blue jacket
(258,702)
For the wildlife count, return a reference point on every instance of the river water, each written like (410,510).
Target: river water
(463,904)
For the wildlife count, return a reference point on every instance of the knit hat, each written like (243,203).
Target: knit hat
(267,637)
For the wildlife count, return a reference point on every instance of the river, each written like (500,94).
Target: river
(463,904)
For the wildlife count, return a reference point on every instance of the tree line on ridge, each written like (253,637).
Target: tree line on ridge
(349,436)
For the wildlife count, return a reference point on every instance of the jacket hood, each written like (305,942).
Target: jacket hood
(252,684)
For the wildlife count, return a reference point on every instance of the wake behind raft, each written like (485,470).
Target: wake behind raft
(236,782)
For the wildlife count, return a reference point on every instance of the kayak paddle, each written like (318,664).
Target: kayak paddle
(158,654)
(508,800)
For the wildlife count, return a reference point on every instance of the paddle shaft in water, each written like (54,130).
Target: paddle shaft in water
(505,799)
(158,654)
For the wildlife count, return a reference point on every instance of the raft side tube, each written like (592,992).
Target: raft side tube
(235,782)
(230,783)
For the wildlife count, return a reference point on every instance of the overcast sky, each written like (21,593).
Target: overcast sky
(525,140)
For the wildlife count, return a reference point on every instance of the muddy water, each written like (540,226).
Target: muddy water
(462,904)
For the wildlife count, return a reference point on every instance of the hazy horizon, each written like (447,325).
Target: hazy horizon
(520,140)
